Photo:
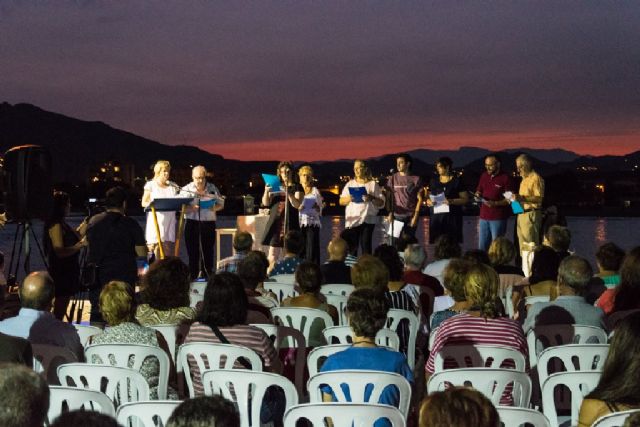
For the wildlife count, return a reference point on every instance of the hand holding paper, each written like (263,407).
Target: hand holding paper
(272,181)
(357,194)
(440,204)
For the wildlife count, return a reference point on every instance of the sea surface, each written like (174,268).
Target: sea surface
(587,234)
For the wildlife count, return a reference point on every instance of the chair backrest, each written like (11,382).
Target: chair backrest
(530,300)
(86,331)
(247,389)
(344,335)
(301,318)
(77,398)
(395,316)
(122,385)
(508,295)
(615,419)
(47,358)
(479,356)
(517,417)
(210,355)
(281,290)
(344,289)
(198,287)
(170,334)
(489,381)
(194,299)
(122,354)
(288,279)
(579,383)
(340,303)
(571,357)
(544,336)
(343,414)
(146,413)
(364,386)
(318,355)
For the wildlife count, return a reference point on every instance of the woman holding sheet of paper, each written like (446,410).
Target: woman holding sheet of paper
(445,201)
(274,199)
(308,200)
(363,198)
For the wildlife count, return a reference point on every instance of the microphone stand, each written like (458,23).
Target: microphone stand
(202,270)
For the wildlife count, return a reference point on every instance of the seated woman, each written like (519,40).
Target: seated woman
(367,312)
(543,279)
(618,388)
(602,288)
(117,308)
(309,279)
(625,296)
(454,278)
(458,406)
(165,294)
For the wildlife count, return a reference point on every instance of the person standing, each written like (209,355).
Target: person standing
(530,195)
(200,224)
(308,201)
(405,197)
(494,207)
(455,197)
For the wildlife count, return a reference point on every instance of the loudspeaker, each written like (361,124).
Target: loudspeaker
(28,192)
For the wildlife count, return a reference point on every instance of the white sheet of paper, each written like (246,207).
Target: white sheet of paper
(439,205)
(508,195)
(439,209)
(307,204)
(397,228)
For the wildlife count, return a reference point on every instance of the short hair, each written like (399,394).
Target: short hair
(281,165)
(367,312)
(447,247)
(294,242)
(610,256)
(544,265)
(161,164)
(225,302)
(501,251)
(494,155)
(477,256)
(454,276)
(205,411)
(82,418)
(306,168)
(115,197)
(458,406)
(252,269)
(24,396)
(199,167)
(559,238)
(309,277)
(414,255)
(575,272)
(524,158)
(445,161)
(369,272)
(406,157)
(338,247)
(242,241)
(116,303)
(166,284)
(481,286)
(389,256)
(40,298)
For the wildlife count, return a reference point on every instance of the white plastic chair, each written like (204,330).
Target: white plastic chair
(570,358)
(490,382)
(544,336)
(194,299)
(530,300)
(301,318)
(340,303)
(170,334)
(197,287)
(208,355)
(77,398)
(288,279)
(146,413)
(579,384)
(121,385)
(123,354)
(47,358)
(394,317)
(319,354)
(432,337)
(517,417)
(616,419)
(85,332)
(344,289)
(281,290)
(358,382)
(343,414)
(509,302)
(344,335)
(247,389)
(479,356)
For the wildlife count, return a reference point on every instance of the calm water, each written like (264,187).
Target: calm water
(588,233)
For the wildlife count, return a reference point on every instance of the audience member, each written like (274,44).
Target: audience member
(205,411)
(165,294)
(558,238)
(501,253)
(477,256)
(35,321)
(570,306)
(293,245)
(460,407)
(117,308)
(543,279)
(14,349)
(454,279)
(24,396)
(618,388)
(415,259)
(83,418)
(252,271)
(446,248)
(609,258)
(335,270)
(242,243)
(352,248)
(627,295)
(397,294)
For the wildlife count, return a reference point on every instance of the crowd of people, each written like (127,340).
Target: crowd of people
(479,297)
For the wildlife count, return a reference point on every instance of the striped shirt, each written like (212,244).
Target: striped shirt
(244,335)
(402,301)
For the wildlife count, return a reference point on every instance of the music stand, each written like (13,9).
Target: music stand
(166,205)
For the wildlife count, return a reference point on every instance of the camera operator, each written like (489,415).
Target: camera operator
(115,242)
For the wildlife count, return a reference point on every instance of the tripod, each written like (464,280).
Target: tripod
(24,229)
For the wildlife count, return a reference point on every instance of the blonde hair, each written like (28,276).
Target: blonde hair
(305,168)
(116,302)
(481,287)
(501,251)
(160,164)
(367,171)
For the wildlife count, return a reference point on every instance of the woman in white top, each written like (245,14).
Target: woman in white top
(361,212)
(160,187)
(308,201)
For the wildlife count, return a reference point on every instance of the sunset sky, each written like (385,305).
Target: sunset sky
(320,80)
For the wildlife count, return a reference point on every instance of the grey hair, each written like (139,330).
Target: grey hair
(575,272)
(414,255)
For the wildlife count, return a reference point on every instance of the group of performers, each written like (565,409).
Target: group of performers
(297,205)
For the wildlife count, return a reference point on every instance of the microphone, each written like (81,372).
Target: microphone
(173,185)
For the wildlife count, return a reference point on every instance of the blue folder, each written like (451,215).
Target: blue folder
(516,207)
(272,181)
(357,193)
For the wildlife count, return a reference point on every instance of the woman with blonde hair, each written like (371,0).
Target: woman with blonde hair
(160,187)
(308,201)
